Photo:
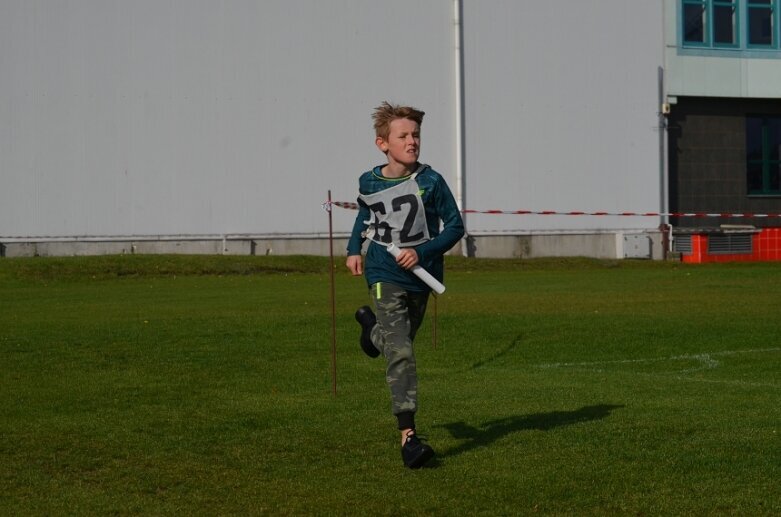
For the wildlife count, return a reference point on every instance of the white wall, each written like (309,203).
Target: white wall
(562,111)
(150,117)
(237,116)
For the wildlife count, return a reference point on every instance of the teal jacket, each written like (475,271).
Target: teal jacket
(439,206)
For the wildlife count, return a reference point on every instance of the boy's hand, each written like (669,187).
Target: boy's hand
(355,265)
(408,258)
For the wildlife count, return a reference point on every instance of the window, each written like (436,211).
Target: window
(763,155)
(710,23)
(731,24)
(695,21)
(760,23)
(724,23)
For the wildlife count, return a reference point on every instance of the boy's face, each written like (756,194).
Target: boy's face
(403,143)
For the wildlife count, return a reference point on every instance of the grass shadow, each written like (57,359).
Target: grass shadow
(498,355)
(493,430)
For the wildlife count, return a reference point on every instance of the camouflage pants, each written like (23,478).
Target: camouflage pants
(399,315)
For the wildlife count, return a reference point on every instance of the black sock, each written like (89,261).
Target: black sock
(406,420)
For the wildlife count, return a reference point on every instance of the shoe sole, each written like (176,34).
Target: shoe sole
(366,345)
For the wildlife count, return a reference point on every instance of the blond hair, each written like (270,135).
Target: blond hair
(386,113)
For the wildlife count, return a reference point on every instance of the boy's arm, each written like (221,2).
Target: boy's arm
(453,225)
(355,244)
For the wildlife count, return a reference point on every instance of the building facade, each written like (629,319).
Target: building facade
(222,127)
(724,127)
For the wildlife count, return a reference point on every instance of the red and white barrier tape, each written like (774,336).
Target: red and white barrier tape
(354,206)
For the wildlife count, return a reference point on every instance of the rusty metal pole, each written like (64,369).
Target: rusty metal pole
(434,324)
(333,296)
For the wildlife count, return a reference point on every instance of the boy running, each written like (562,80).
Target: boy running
(401,202)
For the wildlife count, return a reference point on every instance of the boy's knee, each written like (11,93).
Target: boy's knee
(400,354)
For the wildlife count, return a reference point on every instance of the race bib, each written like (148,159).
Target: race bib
(397,215)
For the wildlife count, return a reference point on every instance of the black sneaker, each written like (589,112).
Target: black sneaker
(367,319)
(415,453)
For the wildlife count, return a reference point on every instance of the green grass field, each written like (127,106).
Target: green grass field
(202,385)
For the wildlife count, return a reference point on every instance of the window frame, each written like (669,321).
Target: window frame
(703,4)
(736,32)
(772,5)
(766,163)
(742,11)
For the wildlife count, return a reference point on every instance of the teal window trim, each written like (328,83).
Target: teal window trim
(768,165)
(731,53)
(753,7)
(703,20)
(718,8)
(716,25)
(689,8)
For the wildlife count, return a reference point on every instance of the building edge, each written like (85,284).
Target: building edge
(614,244)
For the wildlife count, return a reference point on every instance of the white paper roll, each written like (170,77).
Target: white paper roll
(421,273)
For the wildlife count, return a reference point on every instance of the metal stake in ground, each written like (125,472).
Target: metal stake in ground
(333,296)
